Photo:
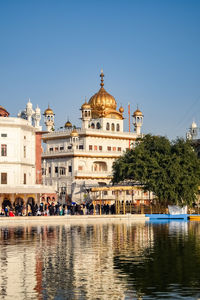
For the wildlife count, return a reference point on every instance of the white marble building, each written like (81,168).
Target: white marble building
(18,157)
(76,159)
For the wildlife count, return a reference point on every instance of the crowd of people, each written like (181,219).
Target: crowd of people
(56,209)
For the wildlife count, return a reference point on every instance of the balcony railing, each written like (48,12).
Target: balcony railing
(68,151)
(66,132)
(93,173)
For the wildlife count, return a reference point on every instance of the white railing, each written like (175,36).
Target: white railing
(62,132)
(54,152)
(15,121)
(92,173)
(67,131)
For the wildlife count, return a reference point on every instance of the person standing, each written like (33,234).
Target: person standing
(6,211)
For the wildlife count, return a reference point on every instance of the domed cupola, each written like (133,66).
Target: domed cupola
(68,125)
(49,119)
(137,113)
(85,106)
(3,112)
(193,131)
(103,104)
(29,111)
(74,133)
(37,110)
(138,121)
(121,109)
(48,111)
(85,114)
(74,138)
(37,117)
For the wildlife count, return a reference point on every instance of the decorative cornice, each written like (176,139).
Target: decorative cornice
(116,137)
(95,177)
(16,163)
(81,155)
(97,156)
(109,137)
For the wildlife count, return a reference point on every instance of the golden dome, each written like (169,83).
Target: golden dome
(121,109)
(102,98)
(137,113)
(48,111)
(74,132)
(3,112)
(85,105)
(68,124)
(103,104)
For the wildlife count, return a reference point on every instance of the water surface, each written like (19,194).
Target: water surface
(102,261)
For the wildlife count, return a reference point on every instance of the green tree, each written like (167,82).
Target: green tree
(169,169)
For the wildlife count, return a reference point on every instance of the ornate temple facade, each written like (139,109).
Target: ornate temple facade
(76,159)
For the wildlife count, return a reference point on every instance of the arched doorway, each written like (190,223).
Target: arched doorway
(31,206)
(6,202)
(18,201)
(31,201)
(18,205)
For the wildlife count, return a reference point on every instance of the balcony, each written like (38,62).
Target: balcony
(69,152)
(66,133)
(92,174)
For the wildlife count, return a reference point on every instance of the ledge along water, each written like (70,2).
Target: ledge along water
(67,219)
(74,219)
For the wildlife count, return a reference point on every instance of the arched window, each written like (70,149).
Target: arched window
(88,113)
(113,127)
(92,126)
(85,113)
(99,166)
(107,126)
(118,127)
(98,125)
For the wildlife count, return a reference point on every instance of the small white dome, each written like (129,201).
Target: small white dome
(29,104)
(194,125)
(37,110)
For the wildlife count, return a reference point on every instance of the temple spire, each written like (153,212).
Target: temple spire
(102,76)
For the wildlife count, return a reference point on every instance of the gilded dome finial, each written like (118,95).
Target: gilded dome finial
(102,76)
(48,111)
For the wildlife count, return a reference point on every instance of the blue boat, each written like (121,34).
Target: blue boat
(167,216)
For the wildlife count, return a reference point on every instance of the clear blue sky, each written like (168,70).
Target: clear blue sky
(52,51)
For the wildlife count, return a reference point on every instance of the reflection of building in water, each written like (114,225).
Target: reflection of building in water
(82,258)
(70,262)
(133,238)
(178,227)
(95,265)
(17,265)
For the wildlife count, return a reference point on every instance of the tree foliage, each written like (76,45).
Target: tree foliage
(169,169)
